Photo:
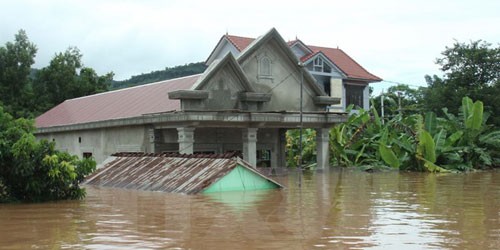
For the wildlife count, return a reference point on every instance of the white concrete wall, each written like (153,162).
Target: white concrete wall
(366,97)
(100,142)
(337,90)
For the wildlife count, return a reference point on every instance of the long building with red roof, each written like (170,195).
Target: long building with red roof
(244,102)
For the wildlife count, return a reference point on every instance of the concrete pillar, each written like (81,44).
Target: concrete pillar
(282,148)
(322,148)
(250,145)
(154,136)
(275,149)
(185,140)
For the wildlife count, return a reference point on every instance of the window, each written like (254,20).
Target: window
(354,95)
(265,66)
(318,64)
(87,155)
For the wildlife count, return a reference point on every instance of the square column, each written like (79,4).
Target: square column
(154,136)
(322,148)
(250,145)
(281,147)
(185,140)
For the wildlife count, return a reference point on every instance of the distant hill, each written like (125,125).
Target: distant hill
(160,75)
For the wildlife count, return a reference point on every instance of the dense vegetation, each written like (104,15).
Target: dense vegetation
(160,75)
(433,128)
(32,170)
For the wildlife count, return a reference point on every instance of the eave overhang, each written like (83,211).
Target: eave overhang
(228,118)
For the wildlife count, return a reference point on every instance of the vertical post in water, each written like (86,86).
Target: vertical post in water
(301,122)
(382,106)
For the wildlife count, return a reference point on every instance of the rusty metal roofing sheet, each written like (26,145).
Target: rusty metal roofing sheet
(175,173)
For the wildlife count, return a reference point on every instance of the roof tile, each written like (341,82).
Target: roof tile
(348,65)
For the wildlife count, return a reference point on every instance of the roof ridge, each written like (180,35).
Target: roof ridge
(229,38)
(133,87)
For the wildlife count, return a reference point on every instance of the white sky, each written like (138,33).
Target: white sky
(397,40)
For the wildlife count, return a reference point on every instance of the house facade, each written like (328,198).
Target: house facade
(337,73)
(244,102)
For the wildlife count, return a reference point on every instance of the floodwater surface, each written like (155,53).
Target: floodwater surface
(335,210)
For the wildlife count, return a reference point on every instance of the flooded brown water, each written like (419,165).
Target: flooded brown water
(337,210)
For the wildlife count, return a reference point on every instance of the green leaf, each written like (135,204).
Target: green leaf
(430,122)
(388,156)
(440,140)
(476,118)
(428,146)
(431,167)
(466,110)
(491,139)
(450,141)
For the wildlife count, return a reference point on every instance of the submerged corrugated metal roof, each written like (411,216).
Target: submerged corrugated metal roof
(174,173)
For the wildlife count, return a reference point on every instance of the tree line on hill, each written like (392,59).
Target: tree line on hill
(160,75)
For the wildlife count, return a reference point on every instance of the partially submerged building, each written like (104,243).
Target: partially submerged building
(175,173)
(244,102)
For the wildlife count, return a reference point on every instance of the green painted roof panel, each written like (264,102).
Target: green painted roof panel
(240,179)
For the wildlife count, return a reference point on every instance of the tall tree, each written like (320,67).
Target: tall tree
(16,59)
(399,98)
(67,78)
(472,70)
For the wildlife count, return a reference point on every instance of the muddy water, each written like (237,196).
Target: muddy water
(339,210)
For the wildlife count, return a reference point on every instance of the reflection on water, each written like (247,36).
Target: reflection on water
(336,210)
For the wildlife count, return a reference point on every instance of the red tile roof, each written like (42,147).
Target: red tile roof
(350,67)
(345,63)
(123,103)
(239,42)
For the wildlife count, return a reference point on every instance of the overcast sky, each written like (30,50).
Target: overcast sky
(394,39)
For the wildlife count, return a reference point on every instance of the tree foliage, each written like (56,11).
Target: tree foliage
(67,78)
(25,92)
(471,70)
(32,170)
(399,99)
(16,59)
(308,147)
